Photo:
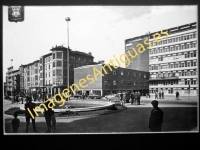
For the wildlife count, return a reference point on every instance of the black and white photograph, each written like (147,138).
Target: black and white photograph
(100,69)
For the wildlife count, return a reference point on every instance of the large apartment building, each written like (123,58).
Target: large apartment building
(173,62)
(12,84)
(49,73)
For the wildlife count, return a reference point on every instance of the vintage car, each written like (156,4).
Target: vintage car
(77,96)
(94,96)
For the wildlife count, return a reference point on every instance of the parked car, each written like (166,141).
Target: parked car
(95,96)
(77,96)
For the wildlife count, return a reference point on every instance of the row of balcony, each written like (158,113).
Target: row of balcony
(163,78)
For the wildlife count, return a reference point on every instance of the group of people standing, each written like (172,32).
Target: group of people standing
(159,95)
(48,114)
(134,96)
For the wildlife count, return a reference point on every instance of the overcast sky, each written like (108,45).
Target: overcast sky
(101,30)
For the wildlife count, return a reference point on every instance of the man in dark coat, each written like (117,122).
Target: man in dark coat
(29,105)
(156,118)
(47,115)
(139,96)
(132,98)
(136,98)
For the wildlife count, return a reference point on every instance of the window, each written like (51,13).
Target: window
(59,55)
(59,63)
(122,82)
(49,67)
(54,64)
(135,74)
(74,58)
(54,72)
(170,91)
(114,82)
(46,67)
(36,77)
(85,60)
(114,72)
(36,71)
(194,53)
(106,82)
(53,55)
(79,59)
(49,74)
(188,64)
(122,73)
(59,72)
(194,35)
(140,75)
(46,75)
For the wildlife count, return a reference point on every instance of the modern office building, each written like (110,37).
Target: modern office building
(12,81)
(115,81)
(173,62)
(49,73)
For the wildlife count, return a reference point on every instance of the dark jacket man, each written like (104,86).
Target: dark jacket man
(156,118)
(29,105)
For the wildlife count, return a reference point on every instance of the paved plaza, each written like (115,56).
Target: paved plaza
(179,116)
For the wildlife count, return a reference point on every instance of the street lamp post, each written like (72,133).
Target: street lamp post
(11,77)
(67,19)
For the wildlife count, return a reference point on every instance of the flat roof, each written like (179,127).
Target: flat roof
(89,66)
(173,28)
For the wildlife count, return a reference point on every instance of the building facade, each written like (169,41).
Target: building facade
(173,62)
(12,81)
(140,58)
(48,75)
(112,81)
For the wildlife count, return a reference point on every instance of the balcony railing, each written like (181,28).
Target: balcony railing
(163,78)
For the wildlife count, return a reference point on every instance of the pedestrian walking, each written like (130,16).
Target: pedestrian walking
(132,97)
(121,98)
(162,95)
(159,94)
(156,95)
(136,98)
(83,96)
(156,118)
(15,123)
(29,105)
(177,95)
(139,96)
(17,98)
(53,121)
(47,115)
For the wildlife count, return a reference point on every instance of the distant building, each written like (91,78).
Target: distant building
(173,62)
(12,81)
(115,81)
